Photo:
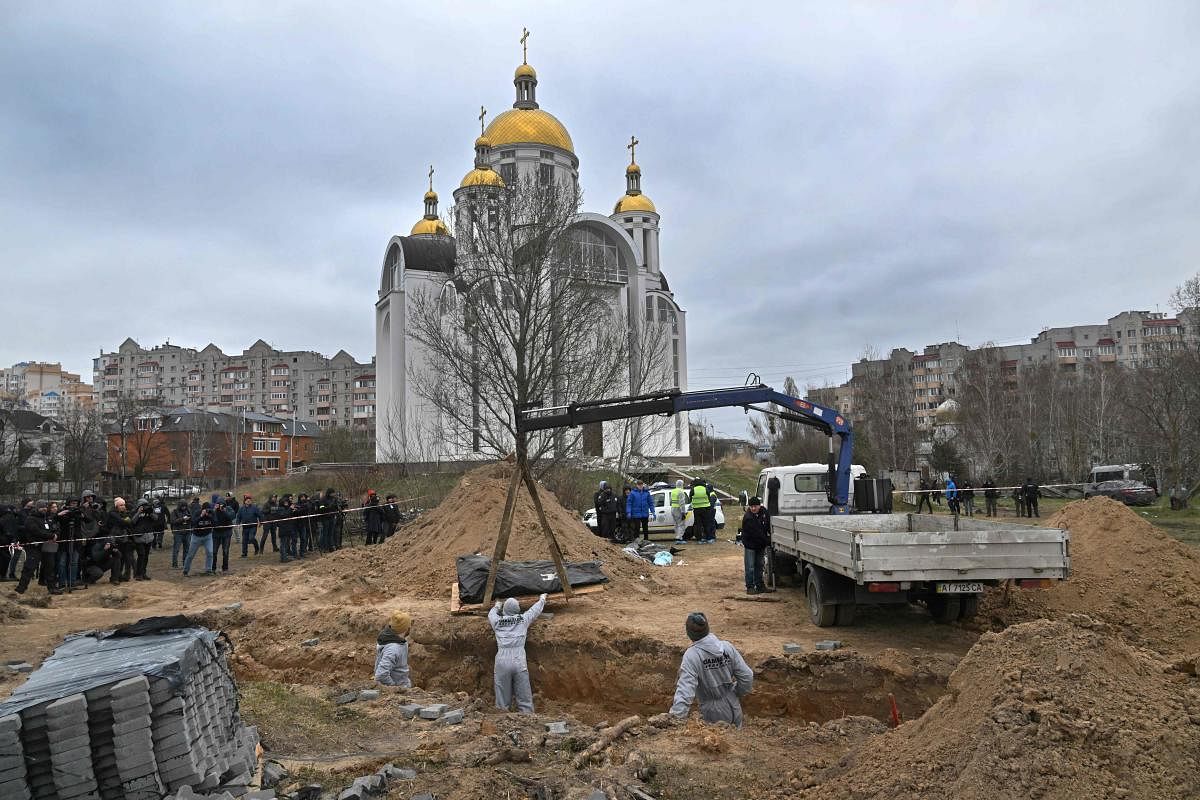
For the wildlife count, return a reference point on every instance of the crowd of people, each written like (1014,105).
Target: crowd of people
(960,497)
(627,517)
(76,543)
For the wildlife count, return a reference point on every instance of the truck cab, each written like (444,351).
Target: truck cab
(803,488)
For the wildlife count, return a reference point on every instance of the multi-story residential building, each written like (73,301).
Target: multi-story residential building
(330,392)
(43,387)
(200,445)
(1129,338)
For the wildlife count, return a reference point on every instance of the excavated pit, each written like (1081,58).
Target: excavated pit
(603,673)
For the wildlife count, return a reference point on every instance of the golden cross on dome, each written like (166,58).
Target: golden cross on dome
(482,114)
(431,177)
(633,143)
(524,47)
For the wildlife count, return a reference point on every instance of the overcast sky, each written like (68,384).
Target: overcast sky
(831,176)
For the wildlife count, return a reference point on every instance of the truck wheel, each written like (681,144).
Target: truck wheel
(845,614)
(817,588)
(943,609)
(968,607)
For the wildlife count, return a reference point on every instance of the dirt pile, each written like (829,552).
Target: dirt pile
(1124,571)
(1046,709)
(418,561)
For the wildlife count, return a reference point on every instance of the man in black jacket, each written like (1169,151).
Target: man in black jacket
(391,516)
(120,529)
(326,506)
(10,527)
(373,518)
(606,505)
(990,495)
(40,539)
(287,529)
(181,533)
(222,533)
(756,538)
(270,525)
(1031,493)
(145,527)
(302,525)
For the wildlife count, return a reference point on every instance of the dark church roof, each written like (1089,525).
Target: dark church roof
(428,253)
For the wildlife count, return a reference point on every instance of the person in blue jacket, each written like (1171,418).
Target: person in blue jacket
(249,517)
(952,495)
(639,508)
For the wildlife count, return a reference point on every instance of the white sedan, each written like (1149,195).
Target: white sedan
(661,526)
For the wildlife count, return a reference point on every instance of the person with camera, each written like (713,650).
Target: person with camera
(391,516)
(373,518)
(40,539)
(10,526)
(287,529)
(203,528)
(70,521)
(270,526)
(303,524)
(222,532)
(144,528)
(327,508)
(161,518)
(120,530)
(181,532)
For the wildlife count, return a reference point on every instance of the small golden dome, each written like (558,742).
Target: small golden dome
(483,141)
(525,71)
(482,177)
(633,169)
(634,202)
(431,196)
(427,226)
(531,125)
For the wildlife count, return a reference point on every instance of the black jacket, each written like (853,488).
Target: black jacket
(181,519)
(605,502)
(373,516)
(756,530)
(990,491)
(120,527)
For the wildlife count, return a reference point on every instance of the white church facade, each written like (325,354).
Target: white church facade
(525,143)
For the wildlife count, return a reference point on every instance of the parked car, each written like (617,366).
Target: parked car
(160,491)
(662,526)
(1131,493)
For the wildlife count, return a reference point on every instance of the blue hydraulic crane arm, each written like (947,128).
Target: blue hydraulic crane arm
(671,402)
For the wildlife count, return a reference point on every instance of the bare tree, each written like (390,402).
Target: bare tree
(650,371)
(528,321)
(886,425)
(791,442)
(986,415)
(83,444)
(1187,295)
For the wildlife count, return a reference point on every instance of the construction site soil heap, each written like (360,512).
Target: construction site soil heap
(1045,709)
(419,560)
(1124,571)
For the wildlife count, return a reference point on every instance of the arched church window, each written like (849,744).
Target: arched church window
(447,299)
(596,257)
(389,267)
(666,314)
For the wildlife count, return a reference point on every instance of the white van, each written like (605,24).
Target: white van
(803,488)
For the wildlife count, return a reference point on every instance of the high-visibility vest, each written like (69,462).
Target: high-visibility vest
(677,496)
(700,496)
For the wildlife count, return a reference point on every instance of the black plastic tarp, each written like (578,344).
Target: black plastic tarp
(87,660)
(521,578)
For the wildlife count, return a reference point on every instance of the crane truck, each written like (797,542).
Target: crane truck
(844,561)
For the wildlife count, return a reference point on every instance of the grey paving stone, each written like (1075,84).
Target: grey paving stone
(22,667)
(9,762)
(130,686)
(123,730)
(393,773)
(11,722)
(368,694)
(71,705)
(343,699)
(434,711)
(828,644)
(310,642)
(451,717)
(556,727)
(791,648)
(410,710)
(16,790)
(273,772)
(261,794)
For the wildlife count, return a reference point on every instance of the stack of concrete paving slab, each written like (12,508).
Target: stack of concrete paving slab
(127,718)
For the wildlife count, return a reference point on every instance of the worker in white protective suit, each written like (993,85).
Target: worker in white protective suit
(713,672)
(511,676)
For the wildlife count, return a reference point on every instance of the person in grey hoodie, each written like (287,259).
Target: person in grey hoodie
(713,672)
(511,675)
(391,651)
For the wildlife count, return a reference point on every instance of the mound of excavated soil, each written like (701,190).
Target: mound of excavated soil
(1045,709)
(1124,571)
(419,559)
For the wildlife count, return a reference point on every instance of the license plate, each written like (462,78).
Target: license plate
(958,588)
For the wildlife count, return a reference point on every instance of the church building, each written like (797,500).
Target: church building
(525,142)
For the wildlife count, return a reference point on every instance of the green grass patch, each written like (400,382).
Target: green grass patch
(293,720)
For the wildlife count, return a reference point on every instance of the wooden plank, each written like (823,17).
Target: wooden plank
(506,521)
(457,607)
(555,551)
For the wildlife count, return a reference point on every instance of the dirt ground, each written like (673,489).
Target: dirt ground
(1008,705)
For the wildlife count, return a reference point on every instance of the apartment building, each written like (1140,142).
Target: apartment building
(331,392)
(1129,338)
(43,387)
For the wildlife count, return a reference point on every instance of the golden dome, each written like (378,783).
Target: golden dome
(633,169)
(525,71)
(483,141)
(531,125)
(430,226)
(482,177)
(431,196)
(634,202)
